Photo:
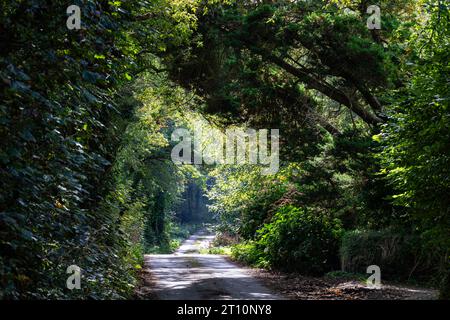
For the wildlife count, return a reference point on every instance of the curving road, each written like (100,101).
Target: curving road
(189,275)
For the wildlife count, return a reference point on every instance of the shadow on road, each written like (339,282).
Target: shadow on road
(189,275)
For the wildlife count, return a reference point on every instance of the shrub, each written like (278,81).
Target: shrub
(295,240)
(303,241)
(248,253)
(398,254)
(224,238)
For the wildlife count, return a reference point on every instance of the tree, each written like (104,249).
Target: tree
(416,140)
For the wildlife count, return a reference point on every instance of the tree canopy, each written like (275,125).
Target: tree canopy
(86,118)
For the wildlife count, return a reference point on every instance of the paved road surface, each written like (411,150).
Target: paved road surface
(189,275)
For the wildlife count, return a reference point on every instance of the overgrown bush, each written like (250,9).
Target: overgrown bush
(400,256)
(225,239)
(249,253)
(295,240)
(301,240)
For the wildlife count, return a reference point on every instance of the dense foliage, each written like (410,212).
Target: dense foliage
(400,256)
(416,142)
(363,115)
(86,118)
(65,104)
(295,240)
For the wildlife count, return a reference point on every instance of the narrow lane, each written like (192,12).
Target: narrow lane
(189,275)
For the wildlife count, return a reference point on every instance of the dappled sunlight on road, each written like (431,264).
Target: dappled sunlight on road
(189,275)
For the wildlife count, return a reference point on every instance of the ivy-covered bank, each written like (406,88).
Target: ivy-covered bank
(85,118)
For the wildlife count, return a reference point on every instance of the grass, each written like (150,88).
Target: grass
(217,250)
(177,234)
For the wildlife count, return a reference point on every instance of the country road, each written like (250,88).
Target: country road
(189,275)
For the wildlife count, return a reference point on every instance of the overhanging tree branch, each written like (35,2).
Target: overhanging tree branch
(322,87)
